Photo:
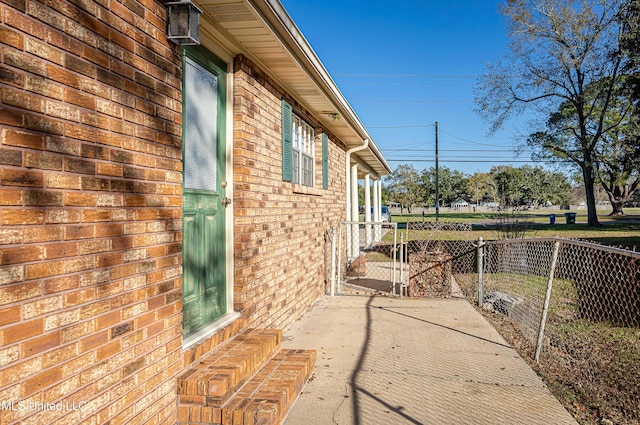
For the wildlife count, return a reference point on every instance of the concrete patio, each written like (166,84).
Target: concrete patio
(383,360)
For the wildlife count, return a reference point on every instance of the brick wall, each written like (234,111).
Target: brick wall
(279,227)
(90,213)
(90,196)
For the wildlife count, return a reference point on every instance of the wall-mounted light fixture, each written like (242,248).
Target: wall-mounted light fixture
(183,22)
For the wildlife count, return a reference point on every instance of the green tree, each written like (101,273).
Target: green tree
(403,186)
(452,185)
(557,48)
(630,47)
(530,186)
(615,153)
(483,188)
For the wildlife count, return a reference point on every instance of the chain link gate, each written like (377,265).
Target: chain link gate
(366,258)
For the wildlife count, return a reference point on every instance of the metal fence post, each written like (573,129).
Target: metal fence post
(401,264)
(480,257)
(547,298)
(332,279)
(339,269)
(395,254)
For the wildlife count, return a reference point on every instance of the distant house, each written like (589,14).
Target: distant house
(459,203)
(159,201)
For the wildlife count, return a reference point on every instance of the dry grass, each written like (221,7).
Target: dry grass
(593,368)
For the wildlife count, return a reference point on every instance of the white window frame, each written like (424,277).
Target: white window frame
(304,152)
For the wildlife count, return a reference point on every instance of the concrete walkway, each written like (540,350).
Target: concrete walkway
(384,360)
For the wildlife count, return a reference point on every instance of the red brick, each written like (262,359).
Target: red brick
(41,234)
(21,331)
(111,229)
(107,320)
(61,250)
(63,76)
(21,254)
(11,38)
(22,178)
(9,116)
(46,269)
(40,381)
(79,232)
(10,197)
(108,350)
(78,199)
(23,139)
(62,181)
(42,198)
(76,165)
(22,216)
(43,50)
(9,315)
(93,341)
(109,169)
(60,284)
(25,62)
(63,216)
(80,297)
(43,161)
(40,344)
(47,16)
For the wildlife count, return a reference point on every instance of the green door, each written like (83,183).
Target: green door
(203,252)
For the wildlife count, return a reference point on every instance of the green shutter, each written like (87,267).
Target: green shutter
(287,142)
(325,161)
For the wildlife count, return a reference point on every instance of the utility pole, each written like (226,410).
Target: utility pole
(437,179)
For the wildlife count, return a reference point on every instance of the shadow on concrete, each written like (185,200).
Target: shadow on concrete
(358,391)
(444,327)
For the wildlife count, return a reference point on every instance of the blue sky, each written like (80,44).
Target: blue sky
(404,65)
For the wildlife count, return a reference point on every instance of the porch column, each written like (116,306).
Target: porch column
(355,234)
(376,211)
(367,209)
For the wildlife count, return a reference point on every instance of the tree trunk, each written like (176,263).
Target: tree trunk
(616,206)
(592,214)
(618,197)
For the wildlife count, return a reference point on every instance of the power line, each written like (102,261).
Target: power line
(403,126)
(500,160)
(442,76)
(410,101)
(385,83)
(442,150)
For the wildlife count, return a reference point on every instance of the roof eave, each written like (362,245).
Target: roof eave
(271,17)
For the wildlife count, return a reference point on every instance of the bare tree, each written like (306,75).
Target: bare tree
(557,48)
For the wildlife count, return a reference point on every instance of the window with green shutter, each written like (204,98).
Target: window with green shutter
(287,142)
(298,148)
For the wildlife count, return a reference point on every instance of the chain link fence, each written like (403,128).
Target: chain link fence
(577,305)
(571,307)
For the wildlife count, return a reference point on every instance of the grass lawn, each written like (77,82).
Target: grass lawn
(615,231)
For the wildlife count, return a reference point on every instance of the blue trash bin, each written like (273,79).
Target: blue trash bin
(552,219)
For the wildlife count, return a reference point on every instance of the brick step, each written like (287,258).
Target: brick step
(215,378)
(264,400)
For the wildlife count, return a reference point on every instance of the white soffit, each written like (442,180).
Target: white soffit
(264,32)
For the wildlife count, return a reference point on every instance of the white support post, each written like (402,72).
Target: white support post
(367,209)
(355,232)
(379,182)
(332,278)
(376,212)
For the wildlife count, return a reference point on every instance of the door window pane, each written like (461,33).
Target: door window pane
(201,88)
